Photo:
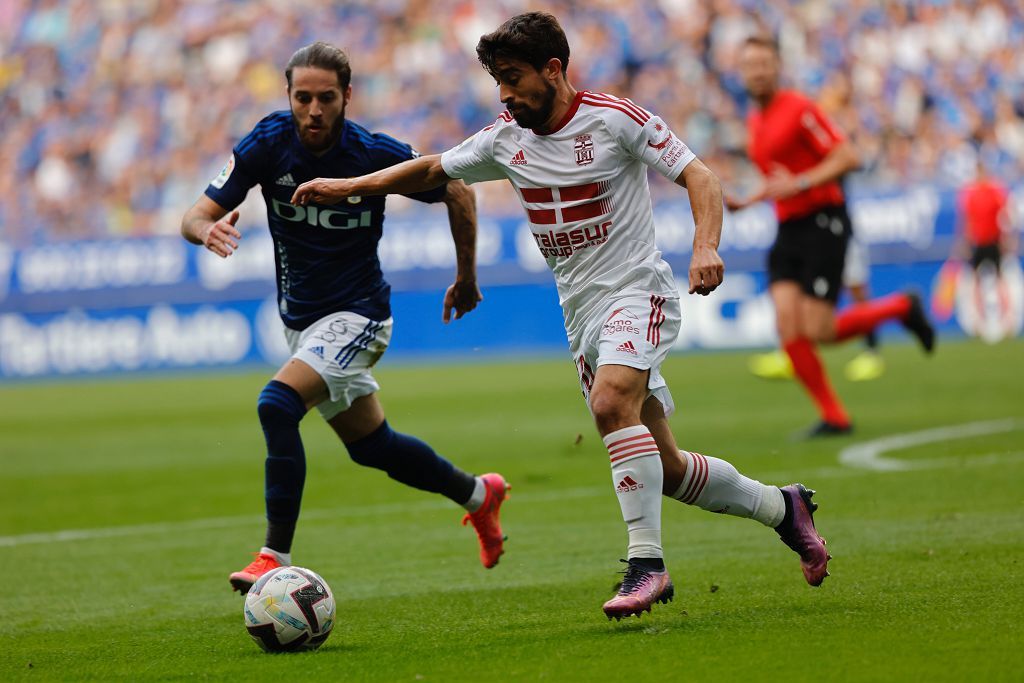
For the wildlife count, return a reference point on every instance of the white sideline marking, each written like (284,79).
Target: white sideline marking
(869,455)
(245,520)
(865,457)
(72,535)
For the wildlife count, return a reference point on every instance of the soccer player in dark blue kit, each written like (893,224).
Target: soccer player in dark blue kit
(333,299)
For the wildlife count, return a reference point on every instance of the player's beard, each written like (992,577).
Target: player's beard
(328,141)
(537,118)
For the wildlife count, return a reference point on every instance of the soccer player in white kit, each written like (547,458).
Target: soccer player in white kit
(579,161)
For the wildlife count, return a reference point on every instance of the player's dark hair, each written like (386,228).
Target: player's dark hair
(321,55)
(534,38)
(763,40)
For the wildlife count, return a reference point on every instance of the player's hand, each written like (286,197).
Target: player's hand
(222,237)
(462,296)
(706,270)
(734,203)
(321,191)
(781,183)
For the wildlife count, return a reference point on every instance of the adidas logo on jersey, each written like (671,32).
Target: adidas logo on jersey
(287,180)
(518,160)
(628,347)
(318,351)
(628,484)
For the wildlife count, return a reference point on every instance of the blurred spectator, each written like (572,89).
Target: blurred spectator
(115,112)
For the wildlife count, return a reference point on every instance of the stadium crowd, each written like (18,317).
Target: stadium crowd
(116,113)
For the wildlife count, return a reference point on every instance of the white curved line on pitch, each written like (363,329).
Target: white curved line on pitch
(869,455)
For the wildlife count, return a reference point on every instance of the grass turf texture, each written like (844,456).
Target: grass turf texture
(925,582)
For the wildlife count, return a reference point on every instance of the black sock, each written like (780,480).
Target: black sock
(871,339)
(412,462)
(280,410)
(279,536)
(655,564)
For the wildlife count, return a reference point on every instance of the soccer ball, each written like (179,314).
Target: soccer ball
(289,609)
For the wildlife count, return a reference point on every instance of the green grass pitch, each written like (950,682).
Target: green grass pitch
(158,484)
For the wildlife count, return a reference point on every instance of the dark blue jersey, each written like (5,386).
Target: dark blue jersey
(326,255)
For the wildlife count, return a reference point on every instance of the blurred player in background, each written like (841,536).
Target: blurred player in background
(803,156)
(578,161)
(866,365)
(333,299)
(984,239)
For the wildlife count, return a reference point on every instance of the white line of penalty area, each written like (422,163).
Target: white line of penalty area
(870,455)
(865,457)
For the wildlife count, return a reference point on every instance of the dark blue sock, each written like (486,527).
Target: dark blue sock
(280,409)
(412,462)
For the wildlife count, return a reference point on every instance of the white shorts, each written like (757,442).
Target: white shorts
(342,347)
(637,331)
(856,264)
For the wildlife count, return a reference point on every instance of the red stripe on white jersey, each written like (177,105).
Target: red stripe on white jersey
(503,116)
(579,192)
(562,195)
(584,211)
(542,216)
(613,105)
(536,195)
(640,111)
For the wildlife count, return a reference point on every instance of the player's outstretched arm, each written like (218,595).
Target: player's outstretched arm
(737,203)
(205,223)
(408,177)
(464,294)
(706,268)
(841,160)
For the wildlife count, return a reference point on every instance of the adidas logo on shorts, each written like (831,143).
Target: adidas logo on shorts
(627,347)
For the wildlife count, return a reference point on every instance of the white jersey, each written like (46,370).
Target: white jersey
(584,188)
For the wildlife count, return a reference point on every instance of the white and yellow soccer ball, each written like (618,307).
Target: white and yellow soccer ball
(289,609)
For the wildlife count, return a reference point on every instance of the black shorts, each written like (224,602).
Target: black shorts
(981,254)
(811,250)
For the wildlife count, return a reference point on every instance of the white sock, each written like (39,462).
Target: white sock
(637,477)
(715,485)
(477,498)
(284,558)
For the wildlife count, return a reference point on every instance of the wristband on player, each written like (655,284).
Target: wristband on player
(802,183)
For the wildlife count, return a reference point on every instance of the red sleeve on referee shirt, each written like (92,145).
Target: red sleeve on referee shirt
(818,130)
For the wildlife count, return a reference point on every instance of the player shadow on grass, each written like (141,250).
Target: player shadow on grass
(328,648)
